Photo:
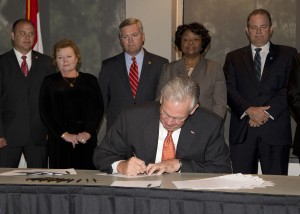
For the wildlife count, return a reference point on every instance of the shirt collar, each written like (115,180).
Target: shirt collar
(139,57)
(19,54)
(264,48)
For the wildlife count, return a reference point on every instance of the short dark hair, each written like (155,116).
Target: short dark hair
(195,28)
(19,21)
(260,12)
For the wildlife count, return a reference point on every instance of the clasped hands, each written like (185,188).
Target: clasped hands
(135,166)
(258,115)
(81,137)
(2,142)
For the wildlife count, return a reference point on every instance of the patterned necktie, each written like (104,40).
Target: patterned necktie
(257,63)
(168,148)
(134,76)
(24,66)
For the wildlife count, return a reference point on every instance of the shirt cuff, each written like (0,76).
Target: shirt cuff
(270,115)
(243,115)
(114,167)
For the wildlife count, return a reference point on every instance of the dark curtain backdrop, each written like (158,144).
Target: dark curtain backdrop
(92,24)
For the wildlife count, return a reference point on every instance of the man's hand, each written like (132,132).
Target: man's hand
(132,167)
(168,166)
(2,142)
(254,124)
(258,115)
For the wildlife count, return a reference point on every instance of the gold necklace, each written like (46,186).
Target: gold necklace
(71,84)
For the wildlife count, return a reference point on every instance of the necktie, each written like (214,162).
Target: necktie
(257,63)
(133,76)
(168,148)
(24,66)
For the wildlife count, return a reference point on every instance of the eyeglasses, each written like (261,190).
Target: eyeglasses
(164,115)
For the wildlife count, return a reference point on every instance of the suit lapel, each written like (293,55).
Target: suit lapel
(124,75)
(15,64)
(249,66)
(34,60)
(145,71)
(187,132)
(151,135)
(271,58)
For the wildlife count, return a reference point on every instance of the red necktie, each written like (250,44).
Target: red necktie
(24,66)
(133,76)
(168,148)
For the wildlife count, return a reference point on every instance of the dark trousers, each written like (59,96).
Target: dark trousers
(274,159)
(35,156)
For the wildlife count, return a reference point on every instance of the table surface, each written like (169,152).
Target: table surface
(284,185)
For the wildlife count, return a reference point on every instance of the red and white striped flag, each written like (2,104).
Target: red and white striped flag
(32,14)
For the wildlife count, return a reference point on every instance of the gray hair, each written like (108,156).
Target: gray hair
(178,89)
(131,21)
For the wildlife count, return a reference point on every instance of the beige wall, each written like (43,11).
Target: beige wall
(159,18)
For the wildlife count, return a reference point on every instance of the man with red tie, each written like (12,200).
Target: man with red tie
(172,135)
(22,71)
(130,77)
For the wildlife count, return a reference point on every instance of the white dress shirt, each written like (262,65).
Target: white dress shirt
(162,134)
(20,60)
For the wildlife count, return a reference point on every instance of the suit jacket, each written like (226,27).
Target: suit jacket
(115,87)
(244,90)
(201,146)
(19,99)
(210,77)
(294,100)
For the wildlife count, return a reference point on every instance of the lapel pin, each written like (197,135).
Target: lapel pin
(149,62)
(192,132)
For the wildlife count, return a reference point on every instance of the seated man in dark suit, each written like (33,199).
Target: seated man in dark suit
(175,135)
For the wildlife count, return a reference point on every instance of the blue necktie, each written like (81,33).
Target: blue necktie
(257,63)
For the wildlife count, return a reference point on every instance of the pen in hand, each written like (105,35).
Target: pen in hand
(141,164)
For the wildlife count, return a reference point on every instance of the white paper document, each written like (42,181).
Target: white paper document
(144,184)
(39,172)
(232,181)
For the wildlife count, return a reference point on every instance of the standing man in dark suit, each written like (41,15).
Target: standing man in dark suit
(115,76)
(22,71)
(256,77)
(172,136)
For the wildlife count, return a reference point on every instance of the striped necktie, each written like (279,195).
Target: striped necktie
(134,77)
(257,63)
